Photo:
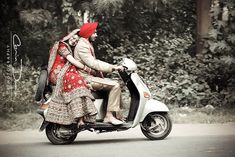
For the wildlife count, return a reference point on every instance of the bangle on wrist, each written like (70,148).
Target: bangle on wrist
(84,68)
(89,70)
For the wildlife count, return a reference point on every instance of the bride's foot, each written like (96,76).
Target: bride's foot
(80,123)
(89,119)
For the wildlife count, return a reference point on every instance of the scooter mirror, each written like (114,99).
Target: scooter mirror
(129,64)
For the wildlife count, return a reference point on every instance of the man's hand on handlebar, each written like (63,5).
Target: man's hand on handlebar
(118,67)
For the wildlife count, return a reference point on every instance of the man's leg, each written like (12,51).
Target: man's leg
(114,96)
(114,91)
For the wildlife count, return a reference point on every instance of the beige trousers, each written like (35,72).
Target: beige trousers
(114,89)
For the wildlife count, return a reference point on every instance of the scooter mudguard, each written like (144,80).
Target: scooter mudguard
(43,125)
(153,106)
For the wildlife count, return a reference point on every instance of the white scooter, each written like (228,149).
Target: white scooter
(152,115)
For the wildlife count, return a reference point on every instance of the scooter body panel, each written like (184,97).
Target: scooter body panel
(142,88)
(146,104)
(99,104)
(153,106)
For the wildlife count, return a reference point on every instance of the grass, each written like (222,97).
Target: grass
(20,121)
(202,115)
(179,115)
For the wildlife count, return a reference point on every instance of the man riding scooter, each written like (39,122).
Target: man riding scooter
(150,114)
(84,52)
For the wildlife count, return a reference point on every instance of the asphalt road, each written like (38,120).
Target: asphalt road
(185,140)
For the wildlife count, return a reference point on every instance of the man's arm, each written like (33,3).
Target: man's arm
(83,51)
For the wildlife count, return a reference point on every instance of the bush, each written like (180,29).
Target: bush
(19,98)
(218,53)
(173,76)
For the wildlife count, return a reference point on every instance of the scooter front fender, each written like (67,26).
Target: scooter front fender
(153,106)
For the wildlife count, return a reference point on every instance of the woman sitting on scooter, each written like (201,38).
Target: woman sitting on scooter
(71,100)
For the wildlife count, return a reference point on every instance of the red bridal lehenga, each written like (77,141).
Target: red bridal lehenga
(71,98)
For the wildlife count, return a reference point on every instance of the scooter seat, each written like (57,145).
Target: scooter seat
(99,94)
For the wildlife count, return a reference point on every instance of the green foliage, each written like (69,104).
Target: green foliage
(70,17)
(219,54)
(169,71)
(108,7)
(160,46)
(19,98)
(163,55)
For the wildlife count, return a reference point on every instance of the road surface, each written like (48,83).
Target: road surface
(185,140)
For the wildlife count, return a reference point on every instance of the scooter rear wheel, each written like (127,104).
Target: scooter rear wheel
(156,126)
(55,136)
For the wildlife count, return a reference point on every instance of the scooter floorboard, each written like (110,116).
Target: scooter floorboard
(108,126)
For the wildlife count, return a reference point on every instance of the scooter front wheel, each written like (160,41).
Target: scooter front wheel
(57,135)
(156,126)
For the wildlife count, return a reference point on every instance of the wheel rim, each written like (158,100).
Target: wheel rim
(56,132)
(157,125)
(58,135)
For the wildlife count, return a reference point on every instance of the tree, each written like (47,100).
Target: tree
(203,21)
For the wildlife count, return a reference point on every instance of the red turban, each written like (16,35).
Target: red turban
(88,29)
